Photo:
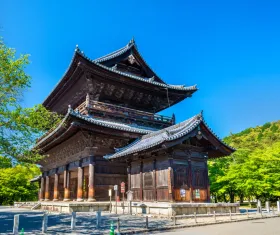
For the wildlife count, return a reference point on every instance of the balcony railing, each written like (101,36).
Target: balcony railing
(123,112)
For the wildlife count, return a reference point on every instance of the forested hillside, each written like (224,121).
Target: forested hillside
(253,171)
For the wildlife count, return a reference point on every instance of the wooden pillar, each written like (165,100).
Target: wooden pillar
(55,188)
(170,180)
(80,183)
(47,189)
(129,177)
(190,179)
(207,181)
(42,196)
(91,186)
(155,179)
(66,184)
(141,180)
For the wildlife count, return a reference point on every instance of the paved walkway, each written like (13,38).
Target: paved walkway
(253,227)
(31,221)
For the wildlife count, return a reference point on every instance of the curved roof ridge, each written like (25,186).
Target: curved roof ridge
(115,53)
(167,134)
(148,80)
(155,138)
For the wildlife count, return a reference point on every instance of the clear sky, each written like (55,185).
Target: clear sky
(230,49)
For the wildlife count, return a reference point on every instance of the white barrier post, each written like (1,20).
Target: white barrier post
(267,206)
(230,215)
(195,220)
(16,222)
(215,217)
(45,223)
(98,219)
(147,222)
(259,206)
(73,221)
(278,206)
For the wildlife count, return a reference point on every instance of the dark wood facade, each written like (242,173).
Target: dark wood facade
(112,134)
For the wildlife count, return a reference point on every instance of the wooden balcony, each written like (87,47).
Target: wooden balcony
(119,111)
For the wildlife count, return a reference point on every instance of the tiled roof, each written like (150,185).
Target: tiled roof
(147,80)
(158,137)
(111,124)
(96,121)
(115,53)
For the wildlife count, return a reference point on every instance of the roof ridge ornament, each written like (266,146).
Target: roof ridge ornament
(132,41)
(77,48)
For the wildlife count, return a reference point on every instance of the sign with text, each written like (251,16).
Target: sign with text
(129,195)
(110,192)
(122,187)
(116,187)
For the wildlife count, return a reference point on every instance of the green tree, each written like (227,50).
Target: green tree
(19,127)
(253,170)
(15,184)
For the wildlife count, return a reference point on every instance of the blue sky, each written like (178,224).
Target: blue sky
(230,49)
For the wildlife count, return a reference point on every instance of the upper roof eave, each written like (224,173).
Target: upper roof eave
(71,68)
(94,121)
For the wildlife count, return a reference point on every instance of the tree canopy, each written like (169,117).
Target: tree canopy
(19,126)
(15,182)
(253,171)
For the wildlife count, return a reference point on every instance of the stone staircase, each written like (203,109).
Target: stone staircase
(28,205)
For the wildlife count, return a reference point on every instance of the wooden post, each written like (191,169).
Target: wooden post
(45,223)
(80,183)
(47,189)
(190,179)
(170,179)
(66,184)
(42,191)
(141,180)
(16,222)
(91,187)
(147,222)
(207,181)
(155,179)
(129,177)
(55,189)
(73,221)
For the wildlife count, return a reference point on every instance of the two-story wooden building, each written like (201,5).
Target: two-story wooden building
(111,132)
